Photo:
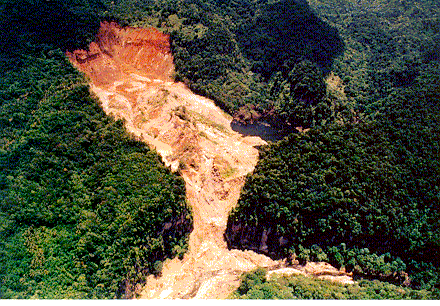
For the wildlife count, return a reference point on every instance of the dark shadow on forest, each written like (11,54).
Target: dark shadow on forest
(287,32)
(63,25)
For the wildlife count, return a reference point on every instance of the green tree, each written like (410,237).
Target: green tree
(299,94)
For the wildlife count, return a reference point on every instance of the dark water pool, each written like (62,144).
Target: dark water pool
(261,129)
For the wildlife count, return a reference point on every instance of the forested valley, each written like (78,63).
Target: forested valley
(363,193)
(85,208)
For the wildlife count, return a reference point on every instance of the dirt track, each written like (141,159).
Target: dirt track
(130,71)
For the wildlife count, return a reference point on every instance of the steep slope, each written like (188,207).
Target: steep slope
(131,70)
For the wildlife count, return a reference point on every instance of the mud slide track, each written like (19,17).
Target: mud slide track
(130,71)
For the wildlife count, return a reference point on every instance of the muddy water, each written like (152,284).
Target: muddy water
(261,129)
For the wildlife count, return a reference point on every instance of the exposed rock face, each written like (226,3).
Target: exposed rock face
(119,51)
(131,72)
(320,270)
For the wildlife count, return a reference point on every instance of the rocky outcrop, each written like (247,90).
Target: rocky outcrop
(119,51)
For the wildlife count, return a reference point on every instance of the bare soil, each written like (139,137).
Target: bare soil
(130,71)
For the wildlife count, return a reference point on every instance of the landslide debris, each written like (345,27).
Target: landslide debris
(130,71)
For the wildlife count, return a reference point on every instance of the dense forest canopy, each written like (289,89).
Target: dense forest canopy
(359,190)
(390,44)
(361,195)
(256,285)
(240,53)
(86,211)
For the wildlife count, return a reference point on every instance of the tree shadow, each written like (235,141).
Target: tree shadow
(286,32)
(64,25)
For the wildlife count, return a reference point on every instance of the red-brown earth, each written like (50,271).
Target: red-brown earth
(130,71)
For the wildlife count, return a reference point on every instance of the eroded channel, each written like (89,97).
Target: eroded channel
(130,71)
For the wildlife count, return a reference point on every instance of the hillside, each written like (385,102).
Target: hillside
(361,195)
(86,210)
(105,175)
(130,71)
(194,137)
